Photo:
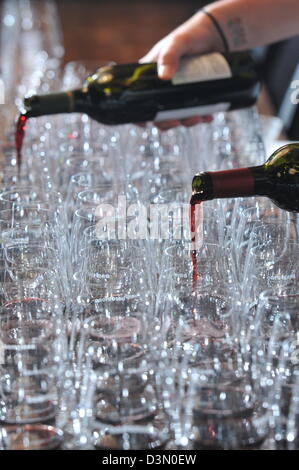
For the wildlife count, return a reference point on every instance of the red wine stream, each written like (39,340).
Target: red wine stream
(194,202)
(19,137)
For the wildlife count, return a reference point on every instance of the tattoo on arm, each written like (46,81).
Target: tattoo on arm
(237,32)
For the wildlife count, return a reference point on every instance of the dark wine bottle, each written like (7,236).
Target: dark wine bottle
(277,179)
(117,94)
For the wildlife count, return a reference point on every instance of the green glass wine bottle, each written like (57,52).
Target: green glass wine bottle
(277,178)
(124,93)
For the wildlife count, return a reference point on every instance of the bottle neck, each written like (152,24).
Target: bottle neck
(80,101)
(56,103)
(53,103)
(240,182)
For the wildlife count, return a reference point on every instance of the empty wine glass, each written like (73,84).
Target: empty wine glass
(28,384)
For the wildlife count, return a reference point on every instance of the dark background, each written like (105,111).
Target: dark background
(119,30)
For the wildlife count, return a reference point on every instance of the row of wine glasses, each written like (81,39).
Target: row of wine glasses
(145,357)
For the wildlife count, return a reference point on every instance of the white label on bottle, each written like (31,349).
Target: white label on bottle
(189,112)
(212,66)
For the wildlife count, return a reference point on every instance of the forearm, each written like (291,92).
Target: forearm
(250,23)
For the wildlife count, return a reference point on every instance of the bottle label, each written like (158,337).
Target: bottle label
(238,182)
(201,69)
(194,111)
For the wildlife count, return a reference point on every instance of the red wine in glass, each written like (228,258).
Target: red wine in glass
(19,137)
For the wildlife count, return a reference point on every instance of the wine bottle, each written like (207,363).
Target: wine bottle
(277,178)
(117,94)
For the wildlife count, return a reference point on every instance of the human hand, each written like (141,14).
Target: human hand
(196,36)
